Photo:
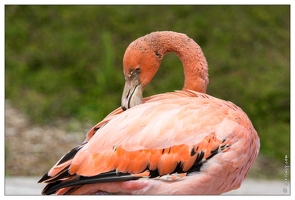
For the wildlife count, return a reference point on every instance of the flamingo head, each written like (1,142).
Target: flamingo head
(140,64)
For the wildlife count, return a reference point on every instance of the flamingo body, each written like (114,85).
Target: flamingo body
(182,142)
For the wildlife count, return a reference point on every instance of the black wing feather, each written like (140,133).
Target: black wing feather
(65,158)
(111,176)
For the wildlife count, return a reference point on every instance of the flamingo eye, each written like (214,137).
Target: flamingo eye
(138,70)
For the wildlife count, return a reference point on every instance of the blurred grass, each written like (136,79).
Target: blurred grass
(66,61)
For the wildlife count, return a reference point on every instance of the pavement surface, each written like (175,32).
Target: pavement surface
(28,186)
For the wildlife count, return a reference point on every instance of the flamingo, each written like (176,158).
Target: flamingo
(181,142)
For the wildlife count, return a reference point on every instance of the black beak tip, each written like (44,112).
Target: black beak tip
(123,108)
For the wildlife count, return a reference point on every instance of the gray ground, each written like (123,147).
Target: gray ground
(17,186)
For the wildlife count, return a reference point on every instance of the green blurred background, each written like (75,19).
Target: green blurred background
(66,62)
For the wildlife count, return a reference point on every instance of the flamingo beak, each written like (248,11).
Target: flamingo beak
(132,94)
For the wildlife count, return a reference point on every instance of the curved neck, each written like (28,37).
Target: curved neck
(189,52)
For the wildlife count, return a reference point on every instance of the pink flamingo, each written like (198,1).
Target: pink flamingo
(182,142)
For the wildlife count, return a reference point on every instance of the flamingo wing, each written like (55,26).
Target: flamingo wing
(169,137)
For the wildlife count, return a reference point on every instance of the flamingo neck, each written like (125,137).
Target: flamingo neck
(189,52)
